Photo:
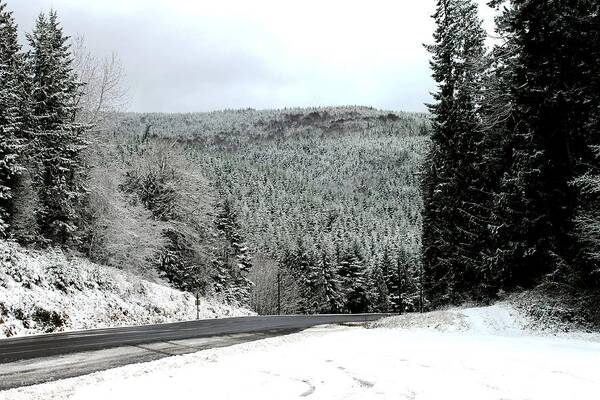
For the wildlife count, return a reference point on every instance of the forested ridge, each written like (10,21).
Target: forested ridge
(327,199)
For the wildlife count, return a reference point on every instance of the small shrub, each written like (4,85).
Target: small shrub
(19,314)
(3,309)
(51,319)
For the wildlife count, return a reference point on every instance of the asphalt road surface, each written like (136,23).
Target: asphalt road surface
(41,358)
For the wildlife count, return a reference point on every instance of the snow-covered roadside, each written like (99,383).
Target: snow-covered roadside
(46,292)
(476,356)
(500,319)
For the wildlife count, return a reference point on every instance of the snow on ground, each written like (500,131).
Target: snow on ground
(47,292)
(464,354)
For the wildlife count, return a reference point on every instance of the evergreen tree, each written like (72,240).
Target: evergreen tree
(57,138)
(232,256)
(301,263)
(386,264)
(12,99)
(378,293)
(401,278)
(327,284)
(452,190)
(180,264)
(352,272)
(497,113)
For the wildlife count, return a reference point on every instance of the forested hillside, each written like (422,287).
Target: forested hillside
(326,199)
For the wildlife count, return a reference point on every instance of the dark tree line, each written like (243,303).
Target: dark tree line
(510,189)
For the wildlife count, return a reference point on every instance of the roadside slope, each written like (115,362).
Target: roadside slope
(43,292)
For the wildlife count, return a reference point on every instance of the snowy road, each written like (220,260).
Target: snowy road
(40,358)
(34,346)
(471,354)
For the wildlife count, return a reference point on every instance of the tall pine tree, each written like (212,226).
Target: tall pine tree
(326,283)
(12,120)
(452,189)
(232,260)
(352,272)
(57,137)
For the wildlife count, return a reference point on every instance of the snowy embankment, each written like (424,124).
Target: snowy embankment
(479,354)
(500,319)
(46,292)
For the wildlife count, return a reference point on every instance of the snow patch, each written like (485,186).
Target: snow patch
(499,319)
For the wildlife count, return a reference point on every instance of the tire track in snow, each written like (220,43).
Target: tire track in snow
(361,382)
(311,388)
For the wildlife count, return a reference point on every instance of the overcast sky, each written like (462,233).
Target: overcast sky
(201,55)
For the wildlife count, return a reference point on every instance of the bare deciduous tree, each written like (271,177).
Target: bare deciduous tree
(102,80)
(121,233)
(274,288)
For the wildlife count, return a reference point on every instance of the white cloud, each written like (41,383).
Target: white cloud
(186,55)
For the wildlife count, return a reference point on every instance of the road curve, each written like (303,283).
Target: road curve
(35,346)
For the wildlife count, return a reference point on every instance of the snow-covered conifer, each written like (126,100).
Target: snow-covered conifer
(12,120)
(58,138)
(451,189)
